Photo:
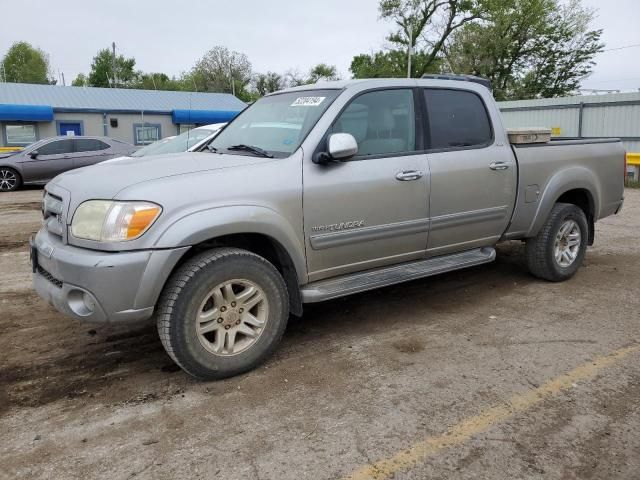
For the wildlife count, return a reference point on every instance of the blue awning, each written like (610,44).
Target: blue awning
(202,116)
(26,113)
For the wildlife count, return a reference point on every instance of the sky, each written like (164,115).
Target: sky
(278,35)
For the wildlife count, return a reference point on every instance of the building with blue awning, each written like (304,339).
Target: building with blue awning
(31,112)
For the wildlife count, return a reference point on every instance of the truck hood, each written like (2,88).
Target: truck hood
(105,180)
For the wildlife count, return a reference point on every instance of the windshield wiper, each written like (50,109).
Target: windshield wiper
(252,149)
(211,148)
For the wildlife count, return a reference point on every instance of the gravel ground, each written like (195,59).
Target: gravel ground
(480,374)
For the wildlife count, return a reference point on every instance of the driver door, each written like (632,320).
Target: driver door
(371,210)
(53,158)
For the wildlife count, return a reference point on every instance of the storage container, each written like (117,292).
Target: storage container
(529,135)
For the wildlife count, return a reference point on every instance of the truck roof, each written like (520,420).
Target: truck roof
(440,80)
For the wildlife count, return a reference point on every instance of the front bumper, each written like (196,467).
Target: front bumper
(101,287)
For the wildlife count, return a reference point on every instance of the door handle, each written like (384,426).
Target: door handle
(498,166)
(408,175)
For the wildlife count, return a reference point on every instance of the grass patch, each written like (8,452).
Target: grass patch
(629,183)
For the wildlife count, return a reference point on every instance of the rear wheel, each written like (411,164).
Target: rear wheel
(222,313)
(9,179)
(558,250)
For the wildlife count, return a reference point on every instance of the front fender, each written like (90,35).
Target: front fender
(561,182)
(207,224)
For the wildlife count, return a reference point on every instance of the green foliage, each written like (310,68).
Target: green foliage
(391,64)
(630,183)
(425,25)
(268,83)
(221,70)
(102,70)
(528,48)
(24,63)
(80,81)
(322,72)
(158,81)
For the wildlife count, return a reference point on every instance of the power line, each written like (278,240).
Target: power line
(621,48)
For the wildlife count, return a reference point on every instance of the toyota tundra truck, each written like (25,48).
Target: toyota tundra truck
(310,194)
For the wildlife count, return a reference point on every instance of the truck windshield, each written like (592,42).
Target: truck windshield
(181,143)
(276,124)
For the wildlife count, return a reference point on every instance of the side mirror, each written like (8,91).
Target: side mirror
(34,154)
(341,147)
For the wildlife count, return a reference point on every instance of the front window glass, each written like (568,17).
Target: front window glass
(181,143)
(57,147)
(382,122)
(276,124)
(20,134)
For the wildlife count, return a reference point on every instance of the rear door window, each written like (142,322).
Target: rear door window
(457,119)
(90,145)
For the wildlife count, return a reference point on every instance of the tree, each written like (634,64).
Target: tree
(81,80)
(102,72)
(528,48)
(425,25)
(24,63)
(390,64)
(268,83)
(221,70)
(159,81)
(323,72)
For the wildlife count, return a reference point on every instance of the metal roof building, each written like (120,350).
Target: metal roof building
(31,112)
(610,115)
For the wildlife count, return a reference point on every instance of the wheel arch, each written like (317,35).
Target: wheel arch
(257,229)
(578,186)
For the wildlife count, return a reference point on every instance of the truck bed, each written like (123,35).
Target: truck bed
(544,169)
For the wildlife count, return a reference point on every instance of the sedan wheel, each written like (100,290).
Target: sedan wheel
(9,180)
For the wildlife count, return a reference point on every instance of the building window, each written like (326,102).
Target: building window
(146,134)
(20,134)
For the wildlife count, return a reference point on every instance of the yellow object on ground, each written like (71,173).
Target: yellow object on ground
(9,149)
(456,435)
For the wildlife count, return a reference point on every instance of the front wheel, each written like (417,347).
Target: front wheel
(556,253)
(223,312)
(9,179)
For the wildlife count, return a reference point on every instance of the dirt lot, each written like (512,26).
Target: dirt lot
(485,373)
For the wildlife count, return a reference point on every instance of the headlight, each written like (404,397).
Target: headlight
(111,221)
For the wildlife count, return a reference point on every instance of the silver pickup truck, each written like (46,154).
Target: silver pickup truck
(314,193)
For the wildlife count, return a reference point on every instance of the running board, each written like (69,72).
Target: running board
(382,277)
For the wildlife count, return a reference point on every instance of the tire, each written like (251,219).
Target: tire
(541,252)
(197,315)
(10,179)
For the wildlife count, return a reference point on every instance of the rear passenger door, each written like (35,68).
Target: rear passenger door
(53,158)
(90,151)
(473,177)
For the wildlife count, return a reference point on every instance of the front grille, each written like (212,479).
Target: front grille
(52,214)
(49,277)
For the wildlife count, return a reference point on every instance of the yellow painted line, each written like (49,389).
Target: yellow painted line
(461,432)
(633,158)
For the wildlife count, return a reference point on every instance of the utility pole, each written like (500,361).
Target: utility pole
(113,64)
(63,82)
(410,52)
(233,85)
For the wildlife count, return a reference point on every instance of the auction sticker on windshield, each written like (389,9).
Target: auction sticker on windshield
(308,101)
